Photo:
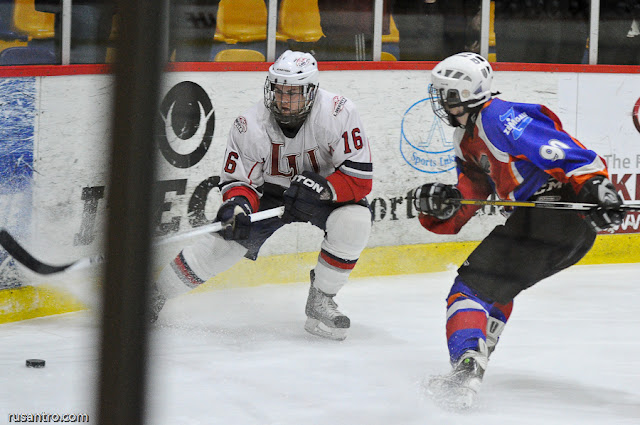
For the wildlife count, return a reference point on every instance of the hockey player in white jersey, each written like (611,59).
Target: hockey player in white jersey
(304,148)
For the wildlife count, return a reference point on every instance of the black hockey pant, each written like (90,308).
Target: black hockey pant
(532,245)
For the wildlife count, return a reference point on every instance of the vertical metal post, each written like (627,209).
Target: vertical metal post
(138,70)
(272,22)
(66,32)
(484,28)
(377,30)
(594,31)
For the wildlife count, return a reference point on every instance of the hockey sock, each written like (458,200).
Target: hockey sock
(197,263)
(498,316)
(466,320)
(332,272)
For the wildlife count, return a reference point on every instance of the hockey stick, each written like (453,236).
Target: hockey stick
(21,255)
(579,206)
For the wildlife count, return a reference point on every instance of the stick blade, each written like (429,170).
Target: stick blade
(23,257)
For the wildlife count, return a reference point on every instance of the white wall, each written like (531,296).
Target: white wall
(72,142)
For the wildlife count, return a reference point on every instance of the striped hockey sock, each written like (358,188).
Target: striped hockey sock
(466,320)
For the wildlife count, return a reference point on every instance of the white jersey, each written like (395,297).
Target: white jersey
(331,140)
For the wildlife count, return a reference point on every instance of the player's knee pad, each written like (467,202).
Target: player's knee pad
(347,231)
(197,263)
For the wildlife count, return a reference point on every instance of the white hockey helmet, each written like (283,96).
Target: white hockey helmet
(463,79)
(291,69)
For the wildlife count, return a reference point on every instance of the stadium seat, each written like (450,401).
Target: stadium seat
(492,33)
(113,38)
(299,20)
(394,34)
(8,37)
(239,55)
(391,42)
(27,20)
(27,56)
(241,21)
(11,43)
(386,56)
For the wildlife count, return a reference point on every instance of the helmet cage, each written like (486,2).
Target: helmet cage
(298,110)
(442,102)
(292,77)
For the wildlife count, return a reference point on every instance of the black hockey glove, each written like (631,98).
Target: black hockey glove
(234,213)
(430,199)
(307,191)
(599,190)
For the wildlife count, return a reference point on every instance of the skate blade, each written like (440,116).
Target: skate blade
(316,327)
(449,395)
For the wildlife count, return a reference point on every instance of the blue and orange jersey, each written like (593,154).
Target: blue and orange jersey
(514,149)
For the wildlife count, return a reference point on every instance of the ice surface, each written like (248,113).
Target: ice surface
(240,356)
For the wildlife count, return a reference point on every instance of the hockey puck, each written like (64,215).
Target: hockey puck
(35,363)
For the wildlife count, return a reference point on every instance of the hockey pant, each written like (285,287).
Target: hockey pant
(532,245)
(347,228)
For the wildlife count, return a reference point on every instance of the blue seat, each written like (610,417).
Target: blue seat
(27,56)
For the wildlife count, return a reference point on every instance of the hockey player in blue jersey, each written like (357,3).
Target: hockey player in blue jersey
(519,152)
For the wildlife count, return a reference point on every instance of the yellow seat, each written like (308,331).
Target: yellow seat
(113,38)
(239,55)
(386,56)
(11,43)
(492,33)
(27,20)
(299,20)
(394,34)
(241,21)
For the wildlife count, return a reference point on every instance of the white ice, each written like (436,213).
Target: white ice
(570,355)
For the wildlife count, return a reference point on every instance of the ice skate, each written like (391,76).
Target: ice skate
(458,389)
(323,317)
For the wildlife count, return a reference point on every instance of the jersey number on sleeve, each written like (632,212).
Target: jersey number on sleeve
(230,165)
(357,140)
